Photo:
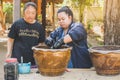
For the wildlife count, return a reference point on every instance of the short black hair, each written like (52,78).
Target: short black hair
(67,10)
(30,4)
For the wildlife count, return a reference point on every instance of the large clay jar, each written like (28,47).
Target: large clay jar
(106,59)
(51,62)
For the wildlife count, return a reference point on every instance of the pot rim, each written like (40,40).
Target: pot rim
(43,49)
(91,50)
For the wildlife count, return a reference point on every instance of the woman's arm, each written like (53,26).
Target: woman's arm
(67,39)
(9,47)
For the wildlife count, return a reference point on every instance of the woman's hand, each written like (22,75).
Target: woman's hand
(8,55)
(58,44)
(49,42)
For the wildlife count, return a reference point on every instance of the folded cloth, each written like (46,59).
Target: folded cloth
(34,66)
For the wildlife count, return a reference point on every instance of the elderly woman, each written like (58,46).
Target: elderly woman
(24,34)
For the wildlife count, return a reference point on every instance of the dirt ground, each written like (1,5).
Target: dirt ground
(3,50)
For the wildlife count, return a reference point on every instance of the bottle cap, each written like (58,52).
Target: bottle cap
(11,60)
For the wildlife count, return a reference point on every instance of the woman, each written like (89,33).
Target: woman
(24,34)
(72,34)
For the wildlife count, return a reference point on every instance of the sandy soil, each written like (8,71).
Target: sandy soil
(2,56)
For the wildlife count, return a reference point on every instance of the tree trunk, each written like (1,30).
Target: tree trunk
(2,19)
(16,10)
(112,22)
(44,13)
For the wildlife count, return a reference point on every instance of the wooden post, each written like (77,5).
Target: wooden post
(16,10)
(44,13)
(51,12)
(0,2)
(39,6)
(43,7)
(53,15)
(2,18)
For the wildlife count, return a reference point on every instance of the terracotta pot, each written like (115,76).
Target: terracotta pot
(106,59)
(51,62)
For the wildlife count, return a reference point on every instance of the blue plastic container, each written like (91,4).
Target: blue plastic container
(24,68)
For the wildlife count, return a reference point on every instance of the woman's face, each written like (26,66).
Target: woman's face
(64,20)
(30,14)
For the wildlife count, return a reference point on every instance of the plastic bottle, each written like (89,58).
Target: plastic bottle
(11,69)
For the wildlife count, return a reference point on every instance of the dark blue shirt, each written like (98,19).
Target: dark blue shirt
(25,36)
(79,55)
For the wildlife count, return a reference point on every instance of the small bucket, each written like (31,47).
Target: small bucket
(24,68)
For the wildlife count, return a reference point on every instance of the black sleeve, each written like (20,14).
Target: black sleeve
(13,33)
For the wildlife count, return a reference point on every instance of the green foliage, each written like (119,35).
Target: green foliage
(39,17)
(80,5)
(90,25)
(8,8)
